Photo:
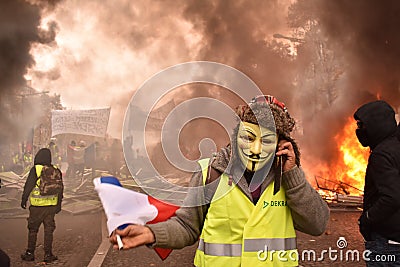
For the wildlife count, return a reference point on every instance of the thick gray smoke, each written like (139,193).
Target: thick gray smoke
(115,46)
(367,34)
(357,42)
(101,51)
(19,21)
(350,56)
(240,35)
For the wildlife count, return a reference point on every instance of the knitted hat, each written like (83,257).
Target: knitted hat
(259,111)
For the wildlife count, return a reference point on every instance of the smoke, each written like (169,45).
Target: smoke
(361,48)
(19,21)
(104,51)
(97,53)
(240,35)
(349,58)
(367,33)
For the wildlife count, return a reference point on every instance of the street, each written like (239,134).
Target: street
(78,237)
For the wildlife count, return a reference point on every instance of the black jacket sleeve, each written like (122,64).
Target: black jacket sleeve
(386,178)
(29,184)
(61,194)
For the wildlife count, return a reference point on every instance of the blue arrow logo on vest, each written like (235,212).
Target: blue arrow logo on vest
(265,204)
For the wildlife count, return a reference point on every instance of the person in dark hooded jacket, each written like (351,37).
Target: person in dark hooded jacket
(4,259)
(380,221)
(42,209)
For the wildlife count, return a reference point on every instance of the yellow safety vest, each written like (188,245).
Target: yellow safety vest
(238,233)
(38,200)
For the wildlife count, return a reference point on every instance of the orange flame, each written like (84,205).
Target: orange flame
(354,157)
(346,174)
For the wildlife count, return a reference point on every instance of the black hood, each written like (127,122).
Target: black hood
(43,157)
(378,120)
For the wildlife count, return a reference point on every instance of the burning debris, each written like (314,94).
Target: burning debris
(337,193)
(337,187)
(344,187)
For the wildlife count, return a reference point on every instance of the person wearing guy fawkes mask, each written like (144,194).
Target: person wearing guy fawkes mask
(249,211)
(380,221)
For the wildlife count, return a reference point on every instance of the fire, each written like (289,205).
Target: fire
(346,174)
(354,157)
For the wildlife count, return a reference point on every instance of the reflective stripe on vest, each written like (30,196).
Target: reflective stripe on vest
(38,200)
(255,245)
(230,250)
(238,233)
(250,245)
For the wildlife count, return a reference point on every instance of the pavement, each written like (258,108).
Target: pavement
(80,238)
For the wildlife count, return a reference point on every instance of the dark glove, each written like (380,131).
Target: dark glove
(23,204)
(365,226)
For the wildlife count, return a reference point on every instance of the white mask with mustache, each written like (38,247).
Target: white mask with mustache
(256,145)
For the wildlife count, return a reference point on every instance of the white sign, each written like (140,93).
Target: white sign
(89,122)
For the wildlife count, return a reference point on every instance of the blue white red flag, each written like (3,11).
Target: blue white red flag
(123,207)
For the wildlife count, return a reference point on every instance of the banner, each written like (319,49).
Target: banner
(89,122)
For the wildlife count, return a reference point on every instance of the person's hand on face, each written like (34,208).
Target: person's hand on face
(256,145)
(286,151)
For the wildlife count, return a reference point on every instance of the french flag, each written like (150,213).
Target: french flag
(123,207)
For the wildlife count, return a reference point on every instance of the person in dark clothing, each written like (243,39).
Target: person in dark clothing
(90,157)
(380,221)
(115,157)
(71,170)
(55,153)
(79,158)
(42,209)
(4,259)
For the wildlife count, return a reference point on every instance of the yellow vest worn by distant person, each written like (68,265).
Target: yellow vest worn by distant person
(238,233)
(38,200)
